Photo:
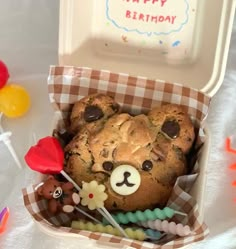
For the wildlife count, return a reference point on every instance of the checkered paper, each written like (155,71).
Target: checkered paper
(135,94)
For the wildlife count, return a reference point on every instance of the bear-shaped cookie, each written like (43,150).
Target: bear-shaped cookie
(60,195)
(138,158)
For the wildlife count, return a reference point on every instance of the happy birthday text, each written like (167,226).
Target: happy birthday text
(149,18)
(161,2)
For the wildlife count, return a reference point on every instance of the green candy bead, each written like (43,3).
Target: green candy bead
(149,214)
(159,214)
(131,217)
(169,212)
(121,218)
(140,216)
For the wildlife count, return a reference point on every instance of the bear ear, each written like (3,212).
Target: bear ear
(50,177)
(40,190)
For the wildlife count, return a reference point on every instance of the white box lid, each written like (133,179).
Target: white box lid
(184,41)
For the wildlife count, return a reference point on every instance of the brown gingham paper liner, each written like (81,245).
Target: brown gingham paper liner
(135,94)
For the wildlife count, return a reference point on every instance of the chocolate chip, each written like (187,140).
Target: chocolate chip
(171,128)
(107,166)
(64,136)
(115,107)
(147,165)
(114,204)
(92,113)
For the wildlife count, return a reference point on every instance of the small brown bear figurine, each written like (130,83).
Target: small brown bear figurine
(60,196)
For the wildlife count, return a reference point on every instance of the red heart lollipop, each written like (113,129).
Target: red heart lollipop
(4,75)
(46,156)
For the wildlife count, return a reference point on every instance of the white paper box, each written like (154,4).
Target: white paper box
(184,41)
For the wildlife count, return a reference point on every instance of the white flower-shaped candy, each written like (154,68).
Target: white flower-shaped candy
(93,195)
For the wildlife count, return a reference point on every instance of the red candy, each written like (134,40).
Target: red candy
(4,74)
(46,156)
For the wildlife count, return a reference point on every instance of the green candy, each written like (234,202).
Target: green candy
(134,217)
(149,214)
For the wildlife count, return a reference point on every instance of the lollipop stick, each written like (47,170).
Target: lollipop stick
(180,213)
(89,216)
(1,129)
(106,214)
(13,153)
(5,137)
(70,179)
(102,211)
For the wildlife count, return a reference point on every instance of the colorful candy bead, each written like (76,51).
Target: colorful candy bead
(167,227)
(134,217)
(133,233)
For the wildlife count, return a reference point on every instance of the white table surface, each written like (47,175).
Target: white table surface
(28,45)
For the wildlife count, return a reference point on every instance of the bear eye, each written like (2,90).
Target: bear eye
(108,166)
(147,165)
(171,128)
(50,192)
(92,113)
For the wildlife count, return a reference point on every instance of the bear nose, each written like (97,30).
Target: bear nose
(57,193)
(125,180)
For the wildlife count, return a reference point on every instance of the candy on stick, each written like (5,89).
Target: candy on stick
(4,74)
(134,217)
(60,196)
(47,157)
(154,234)
(14,100)
(93,195)
(133,233)
(4,215)
(167,227)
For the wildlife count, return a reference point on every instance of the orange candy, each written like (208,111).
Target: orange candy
(14,100)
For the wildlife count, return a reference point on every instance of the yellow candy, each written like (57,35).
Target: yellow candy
(14,100)
(132,233)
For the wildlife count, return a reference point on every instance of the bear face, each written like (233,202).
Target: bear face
(137,158)
(51,189)
(60,195)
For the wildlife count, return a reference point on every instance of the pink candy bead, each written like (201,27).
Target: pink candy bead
(167,227)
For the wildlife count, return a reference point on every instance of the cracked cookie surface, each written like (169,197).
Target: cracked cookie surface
(135,141)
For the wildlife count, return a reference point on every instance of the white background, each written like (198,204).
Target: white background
(28,45)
